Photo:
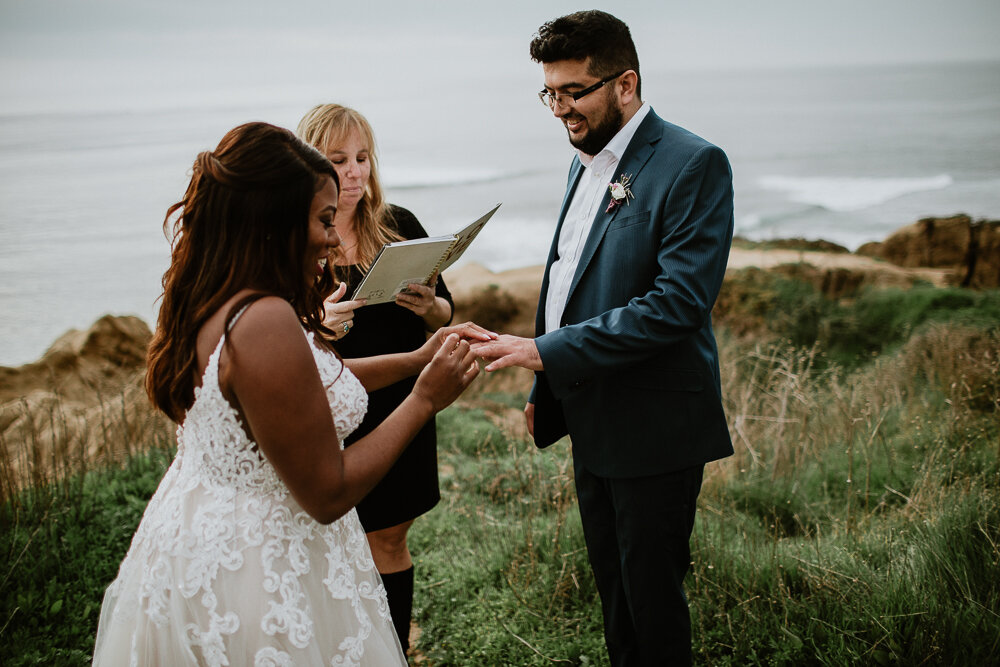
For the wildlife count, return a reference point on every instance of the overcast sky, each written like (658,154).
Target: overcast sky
(67,50)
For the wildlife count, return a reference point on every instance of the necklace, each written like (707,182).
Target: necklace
(348,225)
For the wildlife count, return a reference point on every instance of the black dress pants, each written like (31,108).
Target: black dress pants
(637,532)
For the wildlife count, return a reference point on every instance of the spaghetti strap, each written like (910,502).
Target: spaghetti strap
(232,323)
(212,365)
(236,318)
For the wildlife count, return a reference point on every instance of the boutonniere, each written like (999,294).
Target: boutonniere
(620,192)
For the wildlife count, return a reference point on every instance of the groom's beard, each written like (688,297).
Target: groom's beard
(598,135)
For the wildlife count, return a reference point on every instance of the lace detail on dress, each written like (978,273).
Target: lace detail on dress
(349,407)
(225,455)
(227,569)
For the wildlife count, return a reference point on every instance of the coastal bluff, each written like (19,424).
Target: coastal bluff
(83,401)
(969,248)
(952,251)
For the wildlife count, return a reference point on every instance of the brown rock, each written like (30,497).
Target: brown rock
(984,255)
(934,242)
(80,362)
(870,249)
(971,249)
(504,302)
(82,402)
(795,243)
(492,307)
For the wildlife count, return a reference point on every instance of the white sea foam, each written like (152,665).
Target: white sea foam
(749,222)
(850,194)
(511,242)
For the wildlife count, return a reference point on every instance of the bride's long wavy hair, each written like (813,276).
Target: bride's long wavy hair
(243,223)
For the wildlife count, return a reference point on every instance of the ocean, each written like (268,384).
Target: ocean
(843,154)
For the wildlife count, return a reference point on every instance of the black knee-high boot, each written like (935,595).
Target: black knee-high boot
(399,590)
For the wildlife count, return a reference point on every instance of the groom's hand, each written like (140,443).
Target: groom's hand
(509,350)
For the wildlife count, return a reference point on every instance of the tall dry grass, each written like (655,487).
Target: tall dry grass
(857,523)
(47,439)
(859,520)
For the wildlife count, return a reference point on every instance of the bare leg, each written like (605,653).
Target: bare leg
(389,548)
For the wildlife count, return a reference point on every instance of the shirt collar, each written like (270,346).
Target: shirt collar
(616,147)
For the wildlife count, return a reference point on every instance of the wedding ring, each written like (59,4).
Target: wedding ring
(347,328)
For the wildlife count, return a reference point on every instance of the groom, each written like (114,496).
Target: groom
(625,358)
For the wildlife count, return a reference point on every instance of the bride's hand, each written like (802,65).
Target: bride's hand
(467,331)
(339,315)
(452,368)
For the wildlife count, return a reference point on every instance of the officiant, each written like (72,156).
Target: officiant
(365,221)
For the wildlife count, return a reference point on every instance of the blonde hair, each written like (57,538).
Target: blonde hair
(327,126)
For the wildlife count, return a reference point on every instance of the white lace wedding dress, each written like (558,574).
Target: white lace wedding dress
(227,569)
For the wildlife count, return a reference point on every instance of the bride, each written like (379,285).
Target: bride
(250,552)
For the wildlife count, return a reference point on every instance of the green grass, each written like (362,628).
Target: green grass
(787,574)
(503,571)
(881,320)
(61,546)
(876,321)
(858,522)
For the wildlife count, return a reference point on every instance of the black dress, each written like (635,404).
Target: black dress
(410,488)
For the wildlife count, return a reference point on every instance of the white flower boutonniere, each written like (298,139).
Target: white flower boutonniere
(620,192)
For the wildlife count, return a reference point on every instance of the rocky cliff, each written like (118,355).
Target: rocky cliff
(971,248)
(81,403)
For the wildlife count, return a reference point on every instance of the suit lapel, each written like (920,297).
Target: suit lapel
(639,150)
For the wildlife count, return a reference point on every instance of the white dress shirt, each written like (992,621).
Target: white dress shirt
(598,173)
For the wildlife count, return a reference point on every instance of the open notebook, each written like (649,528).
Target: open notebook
(415,261)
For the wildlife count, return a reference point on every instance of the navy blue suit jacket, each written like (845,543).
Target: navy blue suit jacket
(632,375)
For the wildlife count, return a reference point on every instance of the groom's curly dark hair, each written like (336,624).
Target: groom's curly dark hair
(593,34)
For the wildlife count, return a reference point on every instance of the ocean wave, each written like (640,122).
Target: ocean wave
(513,243)
(757,221)
(850,194)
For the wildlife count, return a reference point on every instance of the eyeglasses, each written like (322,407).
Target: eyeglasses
(569,99)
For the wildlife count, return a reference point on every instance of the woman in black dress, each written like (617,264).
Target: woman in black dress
(365,222)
